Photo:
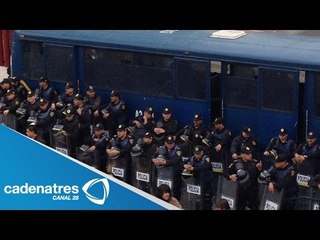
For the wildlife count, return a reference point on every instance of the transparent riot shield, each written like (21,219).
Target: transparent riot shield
(141,172)
(9,120)
(165,175)
(83,155)
(191,194)
(228,190)
(304,200)
(315,200)
(119,167)
(308,199)
(58,140)
(271,200)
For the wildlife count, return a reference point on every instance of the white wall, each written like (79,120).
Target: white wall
(3,73)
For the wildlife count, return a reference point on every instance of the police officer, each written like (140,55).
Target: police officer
(306,159)
(71,131)
(118,151)
(45,91)
(31,106)
(220,140)
(168,163)
(20,87)
(64,100)
(46,118)
(141,155)
(5,86)
(98,143)
(245,138)
(142,124)
(283,176)
(165,126)
(193,134)
(281,144)
(148,146)
(83,114)
(93,101)
(307,156)
(114,114)
(200,167)
(245,171)
(12,103)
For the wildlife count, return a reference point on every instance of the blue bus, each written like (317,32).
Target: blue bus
(262,80)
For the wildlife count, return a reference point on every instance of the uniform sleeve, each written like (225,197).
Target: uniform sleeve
(231,170)
(234,146)
(177,159)
(288,180)
(202,167)
(127,148)
(299,149)
(226,139)
(171,128)
(271,144)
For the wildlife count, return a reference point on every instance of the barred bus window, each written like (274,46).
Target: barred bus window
(33,59)
(192,79)
(60,63)
(153,75)
(316,95)
(150,74)
(241,85)
(108,69)
(278,89)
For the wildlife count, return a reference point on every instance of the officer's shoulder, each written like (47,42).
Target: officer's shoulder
(52,113)
(255,160)
(131,139)
(179,152)
(292,170)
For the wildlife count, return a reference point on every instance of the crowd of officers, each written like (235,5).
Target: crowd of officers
(148,152)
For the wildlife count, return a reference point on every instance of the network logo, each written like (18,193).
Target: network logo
(105,188)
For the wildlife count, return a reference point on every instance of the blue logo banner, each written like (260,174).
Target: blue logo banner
(36,177)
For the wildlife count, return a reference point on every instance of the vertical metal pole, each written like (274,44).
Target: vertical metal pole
(1,49)
(307,123)
(222,108)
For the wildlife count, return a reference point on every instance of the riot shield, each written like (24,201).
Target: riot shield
(164,175)
(228,190)
(141,173)
(191,194)
(58,140)
(304,200)
(271,200)
(316,199)
(83,155)
(308,199)
(9,120)
(119,167)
